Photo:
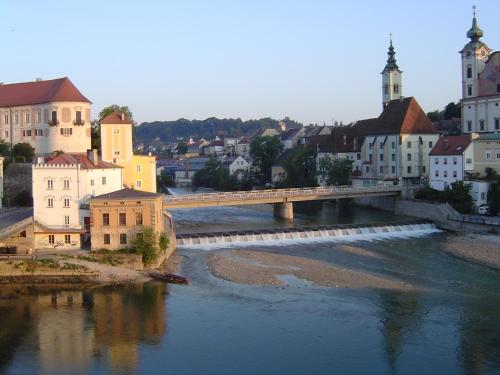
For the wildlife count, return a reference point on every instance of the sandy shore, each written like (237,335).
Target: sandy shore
(481,249)
(262,268)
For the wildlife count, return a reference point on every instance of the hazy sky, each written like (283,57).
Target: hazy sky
(314,61)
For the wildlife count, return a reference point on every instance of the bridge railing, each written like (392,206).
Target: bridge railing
(272,193)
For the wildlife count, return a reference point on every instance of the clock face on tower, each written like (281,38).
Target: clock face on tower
(468,54)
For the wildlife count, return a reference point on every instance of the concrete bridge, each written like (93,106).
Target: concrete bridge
(282,199)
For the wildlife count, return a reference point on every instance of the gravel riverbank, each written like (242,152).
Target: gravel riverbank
(481,249)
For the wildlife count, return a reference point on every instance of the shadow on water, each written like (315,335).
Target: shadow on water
(73,330)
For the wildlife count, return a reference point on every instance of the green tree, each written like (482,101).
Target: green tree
(452,110)
(494,197)
(215,175)
(459,197)
(337,171)
(147,246)
(23,150)
(300,168)
(116,108)
(264,152)
(4,148)
(434,115)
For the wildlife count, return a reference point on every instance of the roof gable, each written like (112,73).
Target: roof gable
(451,145)
(116,118)
(127,193)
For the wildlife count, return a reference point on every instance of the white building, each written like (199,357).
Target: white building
(480,84)
(235,164)
(50,115)
(449,160)
(243,147)
(392,86)
(62,187)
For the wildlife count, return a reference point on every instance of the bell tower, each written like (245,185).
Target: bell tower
(392,87)
(474,54)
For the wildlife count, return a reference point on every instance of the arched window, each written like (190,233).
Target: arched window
(396,88)
(469,72)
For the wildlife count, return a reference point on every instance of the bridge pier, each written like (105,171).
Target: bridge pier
(283,210)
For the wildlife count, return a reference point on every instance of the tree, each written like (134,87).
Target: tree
(23,150)
(116,108)
(264,152)
(215,175)
(4,148)
(452,110)
(337,170)
(434,115)
(494,197)
(459,197)
(182,147)
(147,246)
(300,168)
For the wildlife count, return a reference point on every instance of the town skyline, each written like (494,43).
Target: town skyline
(250,61)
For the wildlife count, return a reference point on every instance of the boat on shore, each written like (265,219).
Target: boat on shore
(169,278)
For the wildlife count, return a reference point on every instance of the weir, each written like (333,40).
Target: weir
(304,233)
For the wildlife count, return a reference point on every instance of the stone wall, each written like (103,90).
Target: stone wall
(382,203)
(17,177)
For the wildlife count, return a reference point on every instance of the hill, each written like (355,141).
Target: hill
(171,131)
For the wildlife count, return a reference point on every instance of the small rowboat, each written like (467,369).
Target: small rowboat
(169,278)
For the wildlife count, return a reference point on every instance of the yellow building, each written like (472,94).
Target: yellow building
(139,171)
(117,218)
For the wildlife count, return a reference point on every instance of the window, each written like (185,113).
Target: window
(67,238)
(430,144)
(92,182)
(66,131)
(393,169)
(370,157)
(386,89)
(381,169)
(469,125)
(358,156)
(78,115)
(408,157)
(105,220)
(16,119)
(138,183)
(498,88)
(51,239)
(497,124)
(6,134)
(408,145)
(139,236)
(445,161)
(6,118)
(39,115)
(396,88)
(437,173)
(27,118)
(469,72)
(66,220)
(66,184)
(138,168)
(370,145)
(455,174)
(423,168)
(50,202)
(138,218)
(445,173)
(123,238)
(488,155)
(393,157)
(481,125)
(436,161)
(104,180)
(381,156)
(116,130)
(39,132)
(468,160)
(367,169)
(117,152)
(393,145)
(409,169)
(498,155)
(381,145)
(454,161)
(53,118)
(483,195)
(66,202)
(469,90)
(122,218)
(50,184)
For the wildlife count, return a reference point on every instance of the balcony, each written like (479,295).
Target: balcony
(79,122)
(53,123)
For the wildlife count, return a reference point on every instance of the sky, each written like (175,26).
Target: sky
(314,61)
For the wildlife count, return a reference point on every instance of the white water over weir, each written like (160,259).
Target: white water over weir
(323,233)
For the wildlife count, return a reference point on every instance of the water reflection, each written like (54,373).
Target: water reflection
(69,329)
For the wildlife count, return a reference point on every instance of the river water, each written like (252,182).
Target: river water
(449,325)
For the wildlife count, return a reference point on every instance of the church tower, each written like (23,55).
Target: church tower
(474,55)
(392,87)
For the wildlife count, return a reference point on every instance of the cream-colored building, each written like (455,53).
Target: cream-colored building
(50,115)
(118,217)
(1,180)
(62,187)
(486,151)
(139,171)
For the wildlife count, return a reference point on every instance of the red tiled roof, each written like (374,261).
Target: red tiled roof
(38,92)
(116,118)
(451,145)
(81,159)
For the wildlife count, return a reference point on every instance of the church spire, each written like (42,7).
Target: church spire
(391,57)
(474,33)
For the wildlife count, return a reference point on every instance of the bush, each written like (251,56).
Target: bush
(163,242)
(458,196)
(147,246)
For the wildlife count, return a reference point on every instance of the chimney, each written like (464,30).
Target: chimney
(92,156)
(123,117)
(446,145)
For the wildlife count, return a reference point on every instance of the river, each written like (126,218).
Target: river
(449,325)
